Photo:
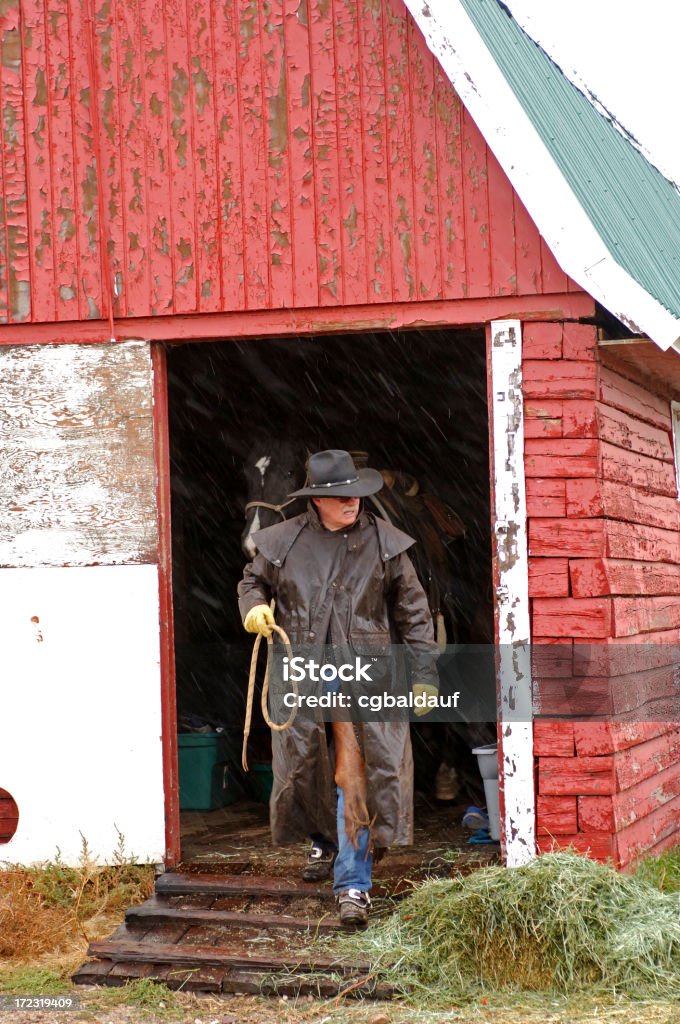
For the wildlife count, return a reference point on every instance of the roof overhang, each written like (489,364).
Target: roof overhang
(660,369)
(534,174)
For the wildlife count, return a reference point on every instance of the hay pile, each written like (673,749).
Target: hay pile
(562,923)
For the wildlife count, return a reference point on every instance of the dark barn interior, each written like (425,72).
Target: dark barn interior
(415,402)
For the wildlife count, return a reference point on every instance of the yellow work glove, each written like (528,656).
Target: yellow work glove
(423,691)
(259,619)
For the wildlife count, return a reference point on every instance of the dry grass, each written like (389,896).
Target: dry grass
(51,907)
(27,926)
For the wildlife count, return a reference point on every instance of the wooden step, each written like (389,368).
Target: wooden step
(220,956)
(229,980)
(178,883)
(156,910)
(232,933)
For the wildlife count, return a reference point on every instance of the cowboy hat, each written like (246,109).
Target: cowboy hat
(332,474)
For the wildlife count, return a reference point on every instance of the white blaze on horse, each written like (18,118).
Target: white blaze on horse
(272,470)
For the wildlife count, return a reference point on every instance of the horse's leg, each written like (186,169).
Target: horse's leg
(350,776)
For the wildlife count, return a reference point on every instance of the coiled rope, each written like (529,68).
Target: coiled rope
(265,688)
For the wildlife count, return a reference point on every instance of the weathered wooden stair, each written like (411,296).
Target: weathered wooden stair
(232,933)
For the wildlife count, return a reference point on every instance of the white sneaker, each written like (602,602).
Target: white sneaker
(354,906)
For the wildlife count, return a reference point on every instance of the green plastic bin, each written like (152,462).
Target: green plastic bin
(205,780)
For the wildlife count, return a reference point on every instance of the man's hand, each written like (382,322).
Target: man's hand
(423,691)
(259,619)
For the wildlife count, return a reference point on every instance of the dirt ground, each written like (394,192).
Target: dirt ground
(222,840)
(101,1007)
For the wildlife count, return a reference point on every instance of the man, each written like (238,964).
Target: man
(341,577)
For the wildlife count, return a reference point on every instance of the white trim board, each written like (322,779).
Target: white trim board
(555,209)
(675,427)
(512,592)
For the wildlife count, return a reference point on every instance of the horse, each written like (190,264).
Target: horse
(272,470)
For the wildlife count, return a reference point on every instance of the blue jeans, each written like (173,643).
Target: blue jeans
(352,867)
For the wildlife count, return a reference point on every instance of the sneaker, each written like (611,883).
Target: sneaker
(475,818)
(354,906)
(320,861)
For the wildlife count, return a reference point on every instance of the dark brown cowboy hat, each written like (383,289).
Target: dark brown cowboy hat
(332,474)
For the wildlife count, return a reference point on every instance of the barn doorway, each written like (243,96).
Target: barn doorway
(416,403)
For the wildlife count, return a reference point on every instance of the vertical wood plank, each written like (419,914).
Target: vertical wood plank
(63,182)
(132,159)
(275,91)
(17,303)
(501,229)
(400,145)
(4,247)
(510,567)
(107,62)
(448,134)
(182,156)
(159,187)
(91,303)
(300,158)
(253,158)
(38,164)
(325,152)
(424,166)
(527,251)
(350,151)
(166,622)
(373,129)
(554,278)
(208,261)
(476,208)
(230,179)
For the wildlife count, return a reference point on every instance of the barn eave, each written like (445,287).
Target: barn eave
(476,42)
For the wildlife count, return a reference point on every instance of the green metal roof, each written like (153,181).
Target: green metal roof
(633,207)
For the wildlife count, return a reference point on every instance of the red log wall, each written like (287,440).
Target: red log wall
(243,156)
(604,547)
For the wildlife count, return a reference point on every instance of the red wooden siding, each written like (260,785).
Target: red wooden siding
(9,816)
(243,156)
(604,546)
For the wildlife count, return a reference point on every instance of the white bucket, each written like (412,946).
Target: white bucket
(487,759)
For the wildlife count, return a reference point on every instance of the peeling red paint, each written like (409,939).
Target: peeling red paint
(298,153)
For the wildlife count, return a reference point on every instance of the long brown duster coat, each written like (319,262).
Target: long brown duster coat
(354,587)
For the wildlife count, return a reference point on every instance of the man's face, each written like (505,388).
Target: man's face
(337,513)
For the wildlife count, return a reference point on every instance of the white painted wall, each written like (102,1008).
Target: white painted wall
(80,711)
(77,471)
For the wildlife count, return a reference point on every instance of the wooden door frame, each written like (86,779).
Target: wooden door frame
(517,789)
(511,591)
(161,429)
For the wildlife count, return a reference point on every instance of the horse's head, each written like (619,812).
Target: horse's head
(272,469)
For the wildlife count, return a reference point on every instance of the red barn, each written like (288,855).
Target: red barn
(229,209)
